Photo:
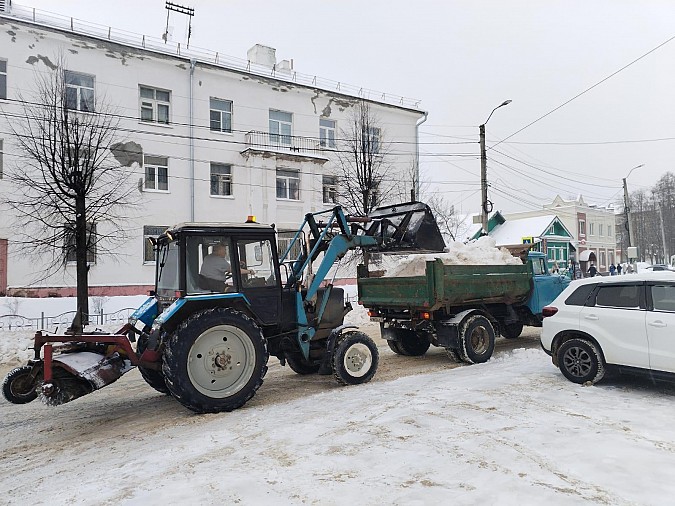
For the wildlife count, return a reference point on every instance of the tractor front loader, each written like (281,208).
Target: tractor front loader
(207,341)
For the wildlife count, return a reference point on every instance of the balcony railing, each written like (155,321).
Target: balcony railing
(286,144)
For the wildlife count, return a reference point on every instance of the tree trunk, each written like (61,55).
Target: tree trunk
(81,250)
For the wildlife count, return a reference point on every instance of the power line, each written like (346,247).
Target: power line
(586,90)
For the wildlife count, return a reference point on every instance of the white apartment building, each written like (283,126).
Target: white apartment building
(592,228)
(211,138)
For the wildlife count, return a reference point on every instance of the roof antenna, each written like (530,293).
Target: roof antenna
(180,9)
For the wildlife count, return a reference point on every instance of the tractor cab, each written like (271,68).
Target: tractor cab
(219,261)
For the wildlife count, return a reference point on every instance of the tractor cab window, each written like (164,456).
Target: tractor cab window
(209,263)
(256,263)
(168,268)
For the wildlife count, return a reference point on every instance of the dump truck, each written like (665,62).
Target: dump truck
(205,340)
(461,308)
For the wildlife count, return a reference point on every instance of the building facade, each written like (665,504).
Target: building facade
(209,138)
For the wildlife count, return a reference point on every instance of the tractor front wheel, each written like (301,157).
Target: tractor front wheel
(215,361)
(152,377)
(355,358)
(20,386)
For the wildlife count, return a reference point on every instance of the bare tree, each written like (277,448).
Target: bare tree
(363,163)
(66,189)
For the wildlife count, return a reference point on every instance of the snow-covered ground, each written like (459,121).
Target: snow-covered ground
(511,431)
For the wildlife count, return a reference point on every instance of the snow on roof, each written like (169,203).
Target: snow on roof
(513,231)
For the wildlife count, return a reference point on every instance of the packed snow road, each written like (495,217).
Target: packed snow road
(424,431)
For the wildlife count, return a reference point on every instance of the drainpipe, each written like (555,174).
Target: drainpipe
(193,62)
(417,156)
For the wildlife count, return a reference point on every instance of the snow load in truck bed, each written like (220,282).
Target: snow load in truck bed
(482,251)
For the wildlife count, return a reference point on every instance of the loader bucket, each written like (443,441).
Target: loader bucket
(406,227)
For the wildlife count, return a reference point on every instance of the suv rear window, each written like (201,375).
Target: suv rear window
(580,295)
(619,296)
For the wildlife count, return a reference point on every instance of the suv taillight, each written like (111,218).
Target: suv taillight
(549,311)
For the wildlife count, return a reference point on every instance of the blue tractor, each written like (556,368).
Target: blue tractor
(206,339)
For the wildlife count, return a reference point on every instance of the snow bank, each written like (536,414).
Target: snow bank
(480,252)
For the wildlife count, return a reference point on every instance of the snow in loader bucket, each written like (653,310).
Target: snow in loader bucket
(406,227)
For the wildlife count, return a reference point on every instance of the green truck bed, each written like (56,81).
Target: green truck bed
(448,285)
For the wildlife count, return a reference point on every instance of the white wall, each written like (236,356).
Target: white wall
(118,71)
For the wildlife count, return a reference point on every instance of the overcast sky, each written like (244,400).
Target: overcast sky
(462,59)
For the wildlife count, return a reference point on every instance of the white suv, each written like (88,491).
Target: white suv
(625,323)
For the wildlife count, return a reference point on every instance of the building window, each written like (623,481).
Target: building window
(79,91)
(155,105)
(373,140)
(288,184)
(3,78)
(221,179)
(150,231)
(221,115)
(609,231)
(69,243)
(582,227)
(326,133)
(591,228)
(603,265)
(329,189)
(600,229)
(156,173)
(281,127)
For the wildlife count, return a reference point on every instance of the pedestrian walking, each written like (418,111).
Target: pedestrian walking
(592,270)
(618,268)
(612,269)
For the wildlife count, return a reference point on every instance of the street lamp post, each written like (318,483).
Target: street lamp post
(631,232)
(485,203)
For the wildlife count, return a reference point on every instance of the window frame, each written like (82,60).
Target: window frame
(374,139)
(279,138)
(69,244)
(78,90)
(146,236)
(227,177)
(287,177)
(329,182)
(153,104)
(326,141)
(582,227)
(221,114)
(591,228)
(155,166)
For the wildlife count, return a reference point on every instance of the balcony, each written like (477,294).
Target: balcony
(290,147)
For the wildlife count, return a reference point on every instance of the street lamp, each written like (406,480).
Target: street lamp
(486,205)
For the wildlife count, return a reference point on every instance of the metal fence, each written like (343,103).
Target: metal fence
(43,322)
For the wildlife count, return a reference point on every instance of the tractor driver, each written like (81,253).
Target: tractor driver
(216,267)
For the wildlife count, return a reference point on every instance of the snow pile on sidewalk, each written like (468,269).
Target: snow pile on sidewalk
(480,252)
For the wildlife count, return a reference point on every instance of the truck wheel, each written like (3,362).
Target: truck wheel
(412,344)
(299,365)
(215,361)
(355,358)
(408,342)
(152,377)
(476,340)
(512,330)
(394,346)
(19,386)
(580,361)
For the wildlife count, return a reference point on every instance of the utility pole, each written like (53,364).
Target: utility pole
(631,234)
(483,182)
(486,205)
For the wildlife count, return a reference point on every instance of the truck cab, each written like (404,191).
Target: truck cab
(547,285)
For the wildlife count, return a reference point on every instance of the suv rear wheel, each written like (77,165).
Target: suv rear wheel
(580,361)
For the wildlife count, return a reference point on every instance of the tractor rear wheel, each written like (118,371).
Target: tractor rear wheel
(215,361)
(20,387)
(355,358)
(476,339)
(152,377)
